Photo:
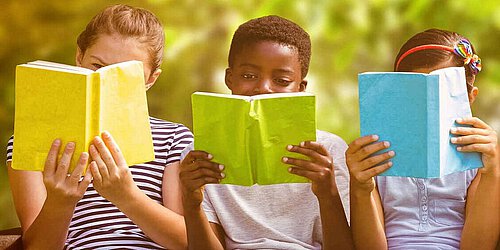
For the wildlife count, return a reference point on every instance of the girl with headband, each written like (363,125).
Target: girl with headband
(459,210)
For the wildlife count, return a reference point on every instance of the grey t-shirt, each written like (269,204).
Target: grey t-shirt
(281,216)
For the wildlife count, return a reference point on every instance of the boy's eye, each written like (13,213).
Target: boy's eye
(282,81)
(249,76)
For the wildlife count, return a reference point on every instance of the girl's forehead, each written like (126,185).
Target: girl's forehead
(114,48)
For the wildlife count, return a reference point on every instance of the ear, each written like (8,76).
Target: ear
(473,94)
(78,57)
(152,78)
(303,85)
(228,78)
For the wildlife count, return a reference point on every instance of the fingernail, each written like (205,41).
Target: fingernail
(221,167)
(387,144)
(70,145)
(289,147)
(222,175)
(389,164)
(453,130)
(459,148)
(284,159)
(375,137)
(105,134)
(391,153)
(459,120)
(209,156)
(453,139)
(290,170)
(57,142)
(302,144)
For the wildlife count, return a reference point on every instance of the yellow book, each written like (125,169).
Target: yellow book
(75,104)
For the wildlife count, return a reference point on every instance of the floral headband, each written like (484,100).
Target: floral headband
(462,49)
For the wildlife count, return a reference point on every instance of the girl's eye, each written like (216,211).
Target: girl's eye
(249,76)
(97,65)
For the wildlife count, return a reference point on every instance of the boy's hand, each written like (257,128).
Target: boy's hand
(64,189)
(318,169)
(362,164)
(112,177)
(196,170)
(479,138)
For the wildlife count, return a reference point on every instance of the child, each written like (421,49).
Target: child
(269,55)
(459,210)
(125,207)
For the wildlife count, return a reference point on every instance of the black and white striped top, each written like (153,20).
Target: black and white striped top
(98,224)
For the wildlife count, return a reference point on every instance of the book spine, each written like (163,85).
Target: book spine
(433,127)
(93,107)
(252,137)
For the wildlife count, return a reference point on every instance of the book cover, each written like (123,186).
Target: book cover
(415,113)
(249,134)
(76,104)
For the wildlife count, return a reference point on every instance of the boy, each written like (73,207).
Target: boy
(269,55)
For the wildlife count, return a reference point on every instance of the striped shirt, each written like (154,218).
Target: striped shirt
(98,224)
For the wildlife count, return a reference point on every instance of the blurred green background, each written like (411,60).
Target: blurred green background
(348,37)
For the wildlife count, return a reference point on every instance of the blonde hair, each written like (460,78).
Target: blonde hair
(129,22)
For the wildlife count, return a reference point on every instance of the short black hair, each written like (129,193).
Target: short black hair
(275,29)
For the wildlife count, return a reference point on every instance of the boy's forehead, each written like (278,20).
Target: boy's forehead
(266,49)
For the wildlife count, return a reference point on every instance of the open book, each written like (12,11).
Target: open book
(415,113)
(249,134)
(76,104)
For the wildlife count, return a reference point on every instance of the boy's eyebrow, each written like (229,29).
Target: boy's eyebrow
(281,70)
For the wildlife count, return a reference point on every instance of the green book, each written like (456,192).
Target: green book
(249,134)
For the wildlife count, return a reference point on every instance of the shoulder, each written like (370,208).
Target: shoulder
(164,128)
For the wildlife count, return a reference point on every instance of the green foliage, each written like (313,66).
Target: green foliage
(348,37)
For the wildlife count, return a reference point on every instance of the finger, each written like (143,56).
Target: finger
(195,184)
(192,166)
(471,139)
(106,156)
(303,164)
(315,146)
(360,143)
(370,149)
(113,149)
(80,166)
(469,131)
(375,160)
(202,172)
(474,121)
(317,154)
(197,155)
(99,163)
(82,187)
(312,175)
(481,148)
(96,175)
(372,172)
(51,161)
(65,160)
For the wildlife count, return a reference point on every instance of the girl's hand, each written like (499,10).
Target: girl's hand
(478,138)
(64,189)
(362,163)
(112,177)
(318,169)
(196,170)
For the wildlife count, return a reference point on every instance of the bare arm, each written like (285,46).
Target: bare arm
(48,199)
(319,169)
(113,180)
(197,169)
(482,217)
(367,219)
(171,190)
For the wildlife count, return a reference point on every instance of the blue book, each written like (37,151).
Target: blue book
(415,113)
